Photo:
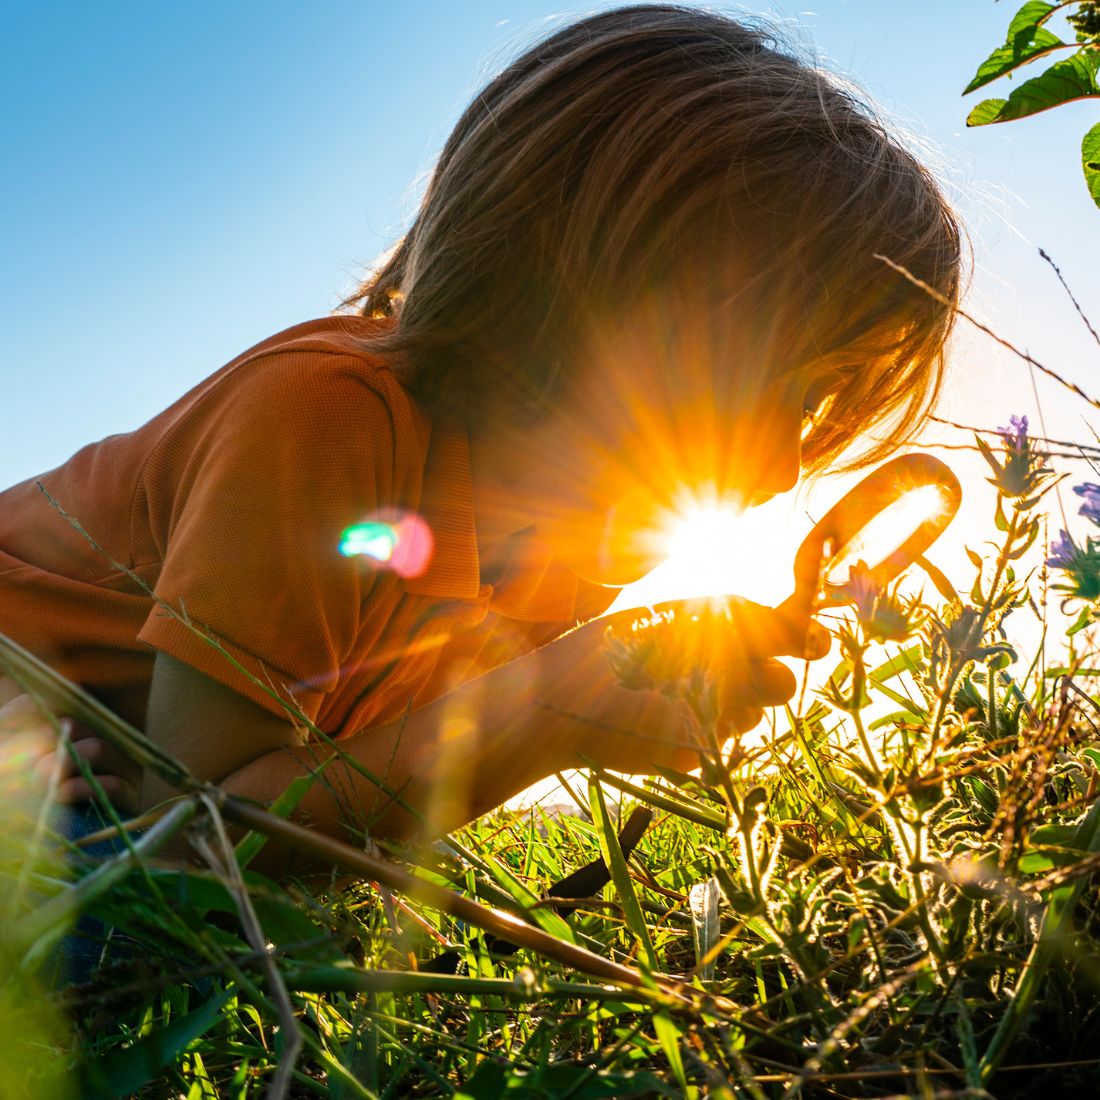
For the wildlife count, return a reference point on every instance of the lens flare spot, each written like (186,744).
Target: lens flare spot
(374,540)
(402,544)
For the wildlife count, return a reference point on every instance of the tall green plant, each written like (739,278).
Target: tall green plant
(1071,77)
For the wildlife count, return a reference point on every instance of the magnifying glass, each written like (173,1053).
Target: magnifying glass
(887,521)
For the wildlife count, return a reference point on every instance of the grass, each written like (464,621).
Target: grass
(892,893)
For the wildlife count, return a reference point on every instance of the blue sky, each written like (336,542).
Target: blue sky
(185,179)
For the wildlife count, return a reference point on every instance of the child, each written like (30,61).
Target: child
(646,264)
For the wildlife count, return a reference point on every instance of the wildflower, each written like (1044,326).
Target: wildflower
(1023,472)
(883,616)
(1091,508)
(1015,436)
(658,651)
(1081,565)
(1063,553)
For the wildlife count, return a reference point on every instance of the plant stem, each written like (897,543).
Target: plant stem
(974,637)
(349,979)
(991,716)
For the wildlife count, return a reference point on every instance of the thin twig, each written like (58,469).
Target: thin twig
(1065,287)
(1090,459)
(943,300)
(225,865)
(996,431)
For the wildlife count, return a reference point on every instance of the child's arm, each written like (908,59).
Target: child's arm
(468,751)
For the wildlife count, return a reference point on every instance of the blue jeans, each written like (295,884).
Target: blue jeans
(78,954)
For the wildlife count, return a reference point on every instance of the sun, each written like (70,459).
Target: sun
(704,526)
(713,548)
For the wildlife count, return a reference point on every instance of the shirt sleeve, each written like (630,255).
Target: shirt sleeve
(279,467)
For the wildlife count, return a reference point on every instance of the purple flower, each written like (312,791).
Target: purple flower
(1063,553)
(1091,508)
(1081,566)
(1020,472)
(882,614)
(1015,436)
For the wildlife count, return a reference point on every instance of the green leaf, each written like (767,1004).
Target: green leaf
(983,447)
(1026,41)
(1037,860)
(986,795)
(1033,14)
(1090,161)
(1064,82)
(976,593)
(1058,835)
(668,1034)
(891,721)
(908,660)
(938,578)
(546,919)
(1083,620)
(620,873)
(125,1070)
(1022,546)
(285,923)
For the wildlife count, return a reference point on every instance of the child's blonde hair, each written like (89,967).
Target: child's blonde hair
(650,144)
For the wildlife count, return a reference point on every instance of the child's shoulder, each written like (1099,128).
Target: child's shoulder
(337,332)
(312,397)
(305,374)
(340,344)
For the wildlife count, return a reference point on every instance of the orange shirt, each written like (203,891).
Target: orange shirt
(228,508)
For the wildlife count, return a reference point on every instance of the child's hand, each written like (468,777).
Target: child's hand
(732,641)
(30,739)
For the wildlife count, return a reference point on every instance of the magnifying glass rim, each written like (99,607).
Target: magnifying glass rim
(859,507)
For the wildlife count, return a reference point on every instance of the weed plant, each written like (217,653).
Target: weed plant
(890,892)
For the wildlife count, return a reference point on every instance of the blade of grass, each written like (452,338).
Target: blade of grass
(249,846)
(704,925)
(547,919)
(689,810)
(668,1034)
(352,979)
(125,1071)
